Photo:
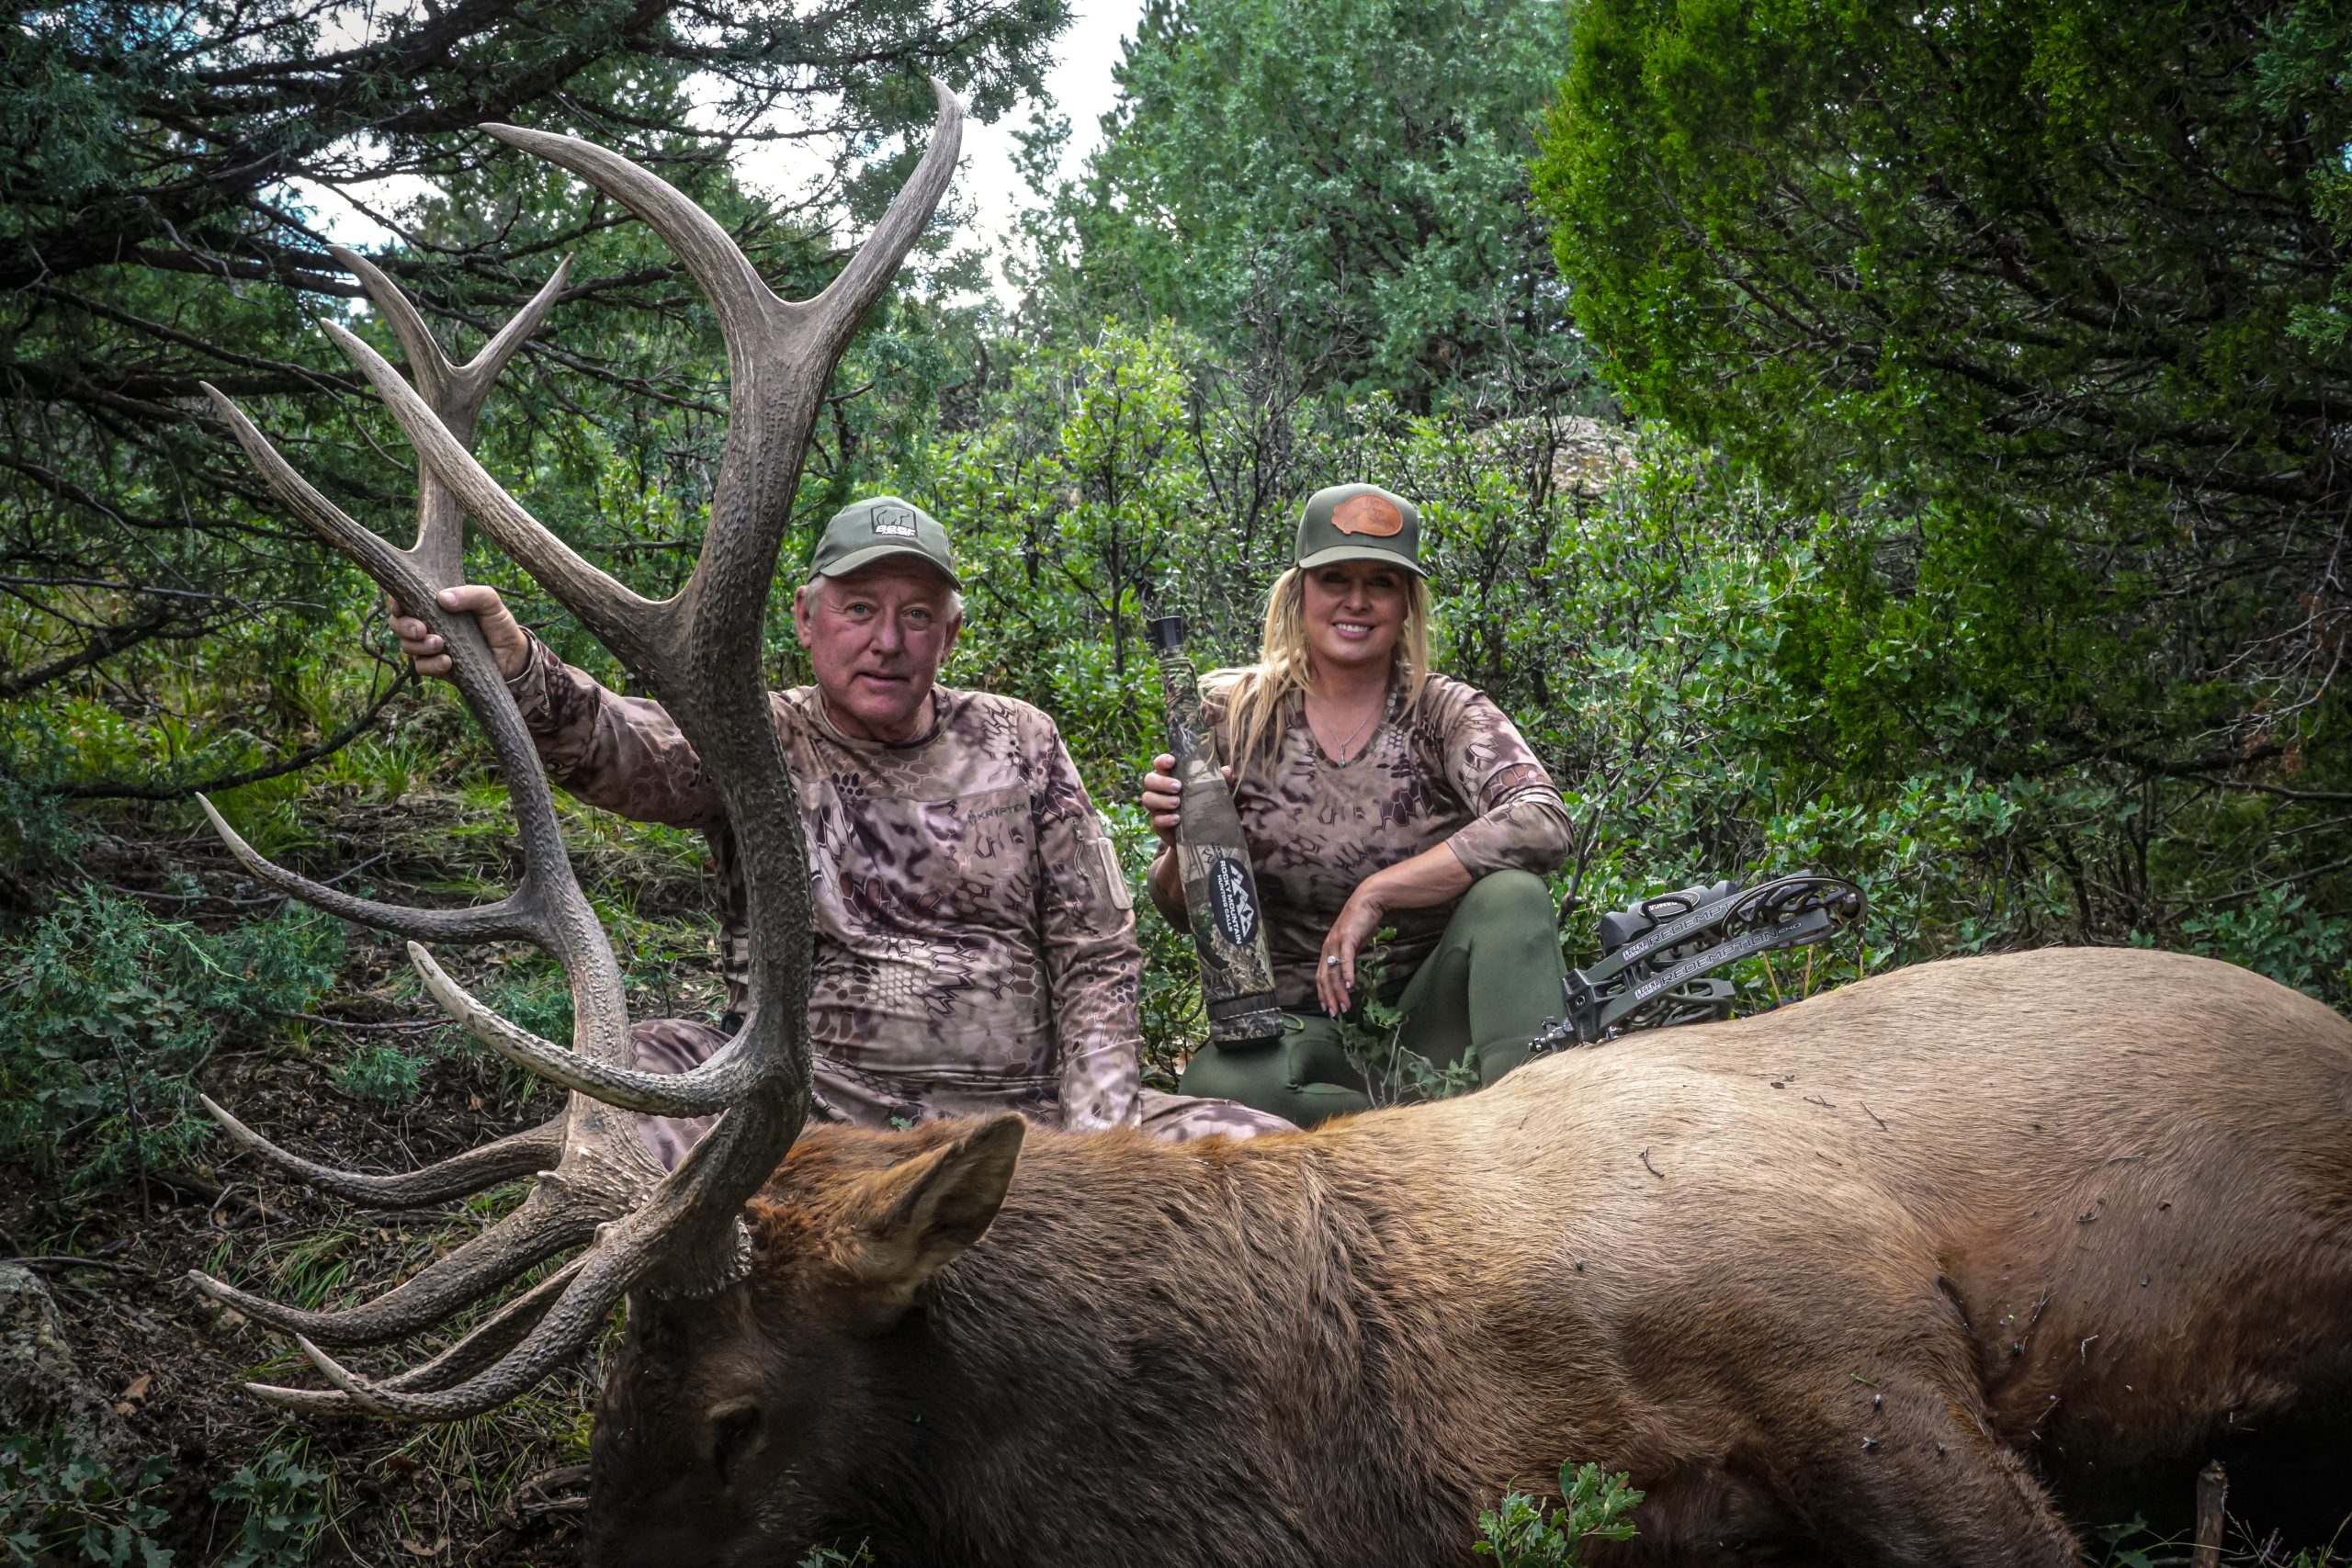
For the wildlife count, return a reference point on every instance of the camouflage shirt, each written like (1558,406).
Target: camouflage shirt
(976,949)
(1456,771)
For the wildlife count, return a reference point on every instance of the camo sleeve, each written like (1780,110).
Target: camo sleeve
(1093,964)
(1522,825)
(623,754)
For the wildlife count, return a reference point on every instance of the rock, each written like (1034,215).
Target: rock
(41,1387)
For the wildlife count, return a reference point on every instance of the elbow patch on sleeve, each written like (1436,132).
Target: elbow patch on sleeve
(1107,866)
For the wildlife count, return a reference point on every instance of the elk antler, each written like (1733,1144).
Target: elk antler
(700,654)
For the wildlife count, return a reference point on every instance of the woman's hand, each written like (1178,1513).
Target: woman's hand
(1160,789)
(1432,878)
(1335,972)
(508,643)
(1159,799)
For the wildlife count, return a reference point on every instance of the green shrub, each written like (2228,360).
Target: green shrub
(59,1505)
(1520,1534)
(381,1075)
(37,832)
(106,1012)
(834,1557)
(1392,1075)
(284,1511)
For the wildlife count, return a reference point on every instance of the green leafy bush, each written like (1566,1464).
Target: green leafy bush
(58,1505)
(381,1075)
(106,1012)
(834,1557)
(284,1511)
(1521,1534)
(1369,1038)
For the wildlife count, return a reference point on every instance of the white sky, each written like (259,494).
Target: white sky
(1080,88)
(1079,84)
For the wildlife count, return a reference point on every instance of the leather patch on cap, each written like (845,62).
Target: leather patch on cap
(1373,515)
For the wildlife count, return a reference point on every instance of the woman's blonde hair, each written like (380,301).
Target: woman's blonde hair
(1259,698)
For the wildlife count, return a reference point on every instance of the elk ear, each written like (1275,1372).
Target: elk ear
(910,1221)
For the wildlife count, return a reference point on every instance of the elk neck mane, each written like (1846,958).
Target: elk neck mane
(1271,1299)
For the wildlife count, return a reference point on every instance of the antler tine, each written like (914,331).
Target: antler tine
(481,1347)
(484,367)
(747,307)
(623,620)
(484,922)
(426,361)
(305,1401)
(518,1154)
(712,1086)
(847,299)
(531,1234)
(455,393)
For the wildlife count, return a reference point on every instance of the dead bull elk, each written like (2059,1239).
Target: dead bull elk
(1866,1279)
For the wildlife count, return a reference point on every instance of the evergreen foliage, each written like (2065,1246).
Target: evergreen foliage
(160,176)
(2044,302)
(1333,188)
(60,1505)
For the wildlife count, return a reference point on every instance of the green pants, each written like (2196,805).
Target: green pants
(1478,999)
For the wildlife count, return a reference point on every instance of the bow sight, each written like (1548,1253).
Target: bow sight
(1654,967)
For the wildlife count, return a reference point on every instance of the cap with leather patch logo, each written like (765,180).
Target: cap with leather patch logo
(874,529)
(1360,523)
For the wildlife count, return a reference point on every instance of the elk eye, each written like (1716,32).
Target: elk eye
(733,1430)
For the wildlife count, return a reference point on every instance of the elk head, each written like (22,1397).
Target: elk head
(781,1416)
(674,1243)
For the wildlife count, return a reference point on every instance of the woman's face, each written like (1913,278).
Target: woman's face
(1354,612)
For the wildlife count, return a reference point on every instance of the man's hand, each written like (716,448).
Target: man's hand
(1335,968)
(504,633)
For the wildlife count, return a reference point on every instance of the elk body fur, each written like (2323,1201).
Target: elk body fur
(1849,1282)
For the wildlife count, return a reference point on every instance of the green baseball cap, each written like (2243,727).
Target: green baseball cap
(867,531)
(1360,523)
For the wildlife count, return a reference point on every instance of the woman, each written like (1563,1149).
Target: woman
(1373,792)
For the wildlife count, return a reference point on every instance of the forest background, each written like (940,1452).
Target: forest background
(1906,445)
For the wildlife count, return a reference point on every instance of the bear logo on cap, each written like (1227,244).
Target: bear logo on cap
(1373,515)
(900,521)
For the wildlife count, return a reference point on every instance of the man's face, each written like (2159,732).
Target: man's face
(877,637)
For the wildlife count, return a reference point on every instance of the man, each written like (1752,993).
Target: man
(976,947)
